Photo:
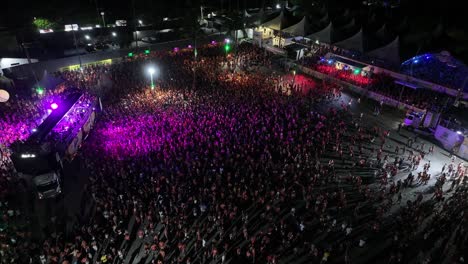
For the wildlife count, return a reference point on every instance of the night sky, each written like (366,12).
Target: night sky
(423,16)
(67,11)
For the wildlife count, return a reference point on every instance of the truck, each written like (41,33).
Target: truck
(423,123)
(39,159)
(413,119)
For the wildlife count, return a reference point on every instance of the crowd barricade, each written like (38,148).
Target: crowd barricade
(410,79)
(356,89)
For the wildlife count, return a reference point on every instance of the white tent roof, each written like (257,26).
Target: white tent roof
(256,19)
(355,42)
(438,30)
(277,23)
(346,12)
(349,25)
(372,19)
(323,35)
(324,18)
(323,8)
(299,29)
(382,32)
(389,52)
(403,24)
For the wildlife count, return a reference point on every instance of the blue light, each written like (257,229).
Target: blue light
(416,61)
(330,61)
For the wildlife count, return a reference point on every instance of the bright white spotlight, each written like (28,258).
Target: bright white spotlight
(87,37)
(114,34)
(459,132)
(151,70)
(140,22)
(278,6)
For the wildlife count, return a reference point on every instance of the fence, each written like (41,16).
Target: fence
(410,79)
(356,89)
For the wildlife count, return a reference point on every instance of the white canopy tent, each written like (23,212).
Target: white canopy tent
(324,18)
(278,23)
(355,42)
(389,52)
(382,32)
(324,35)
(351,24)
(299,29)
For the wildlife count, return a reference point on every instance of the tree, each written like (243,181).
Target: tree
(43,23)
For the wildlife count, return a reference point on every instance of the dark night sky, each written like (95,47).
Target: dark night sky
(78,9)
(422,15)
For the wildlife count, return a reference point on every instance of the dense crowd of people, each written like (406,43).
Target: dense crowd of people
(225,161)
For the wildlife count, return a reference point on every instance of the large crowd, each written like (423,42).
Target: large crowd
(225,161)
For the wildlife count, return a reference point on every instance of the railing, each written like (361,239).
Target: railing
(410,79)
(359,90)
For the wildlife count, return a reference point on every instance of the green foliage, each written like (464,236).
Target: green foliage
(43,23)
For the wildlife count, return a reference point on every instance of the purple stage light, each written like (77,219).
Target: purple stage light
(189,46)
(54,106)
(176,49)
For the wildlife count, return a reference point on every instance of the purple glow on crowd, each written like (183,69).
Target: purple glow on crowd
(21,119)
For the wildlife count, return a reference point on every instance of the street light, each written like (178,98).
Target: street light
(114,34)
(151,71)
(103,20)
(87,37)
(140,22)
